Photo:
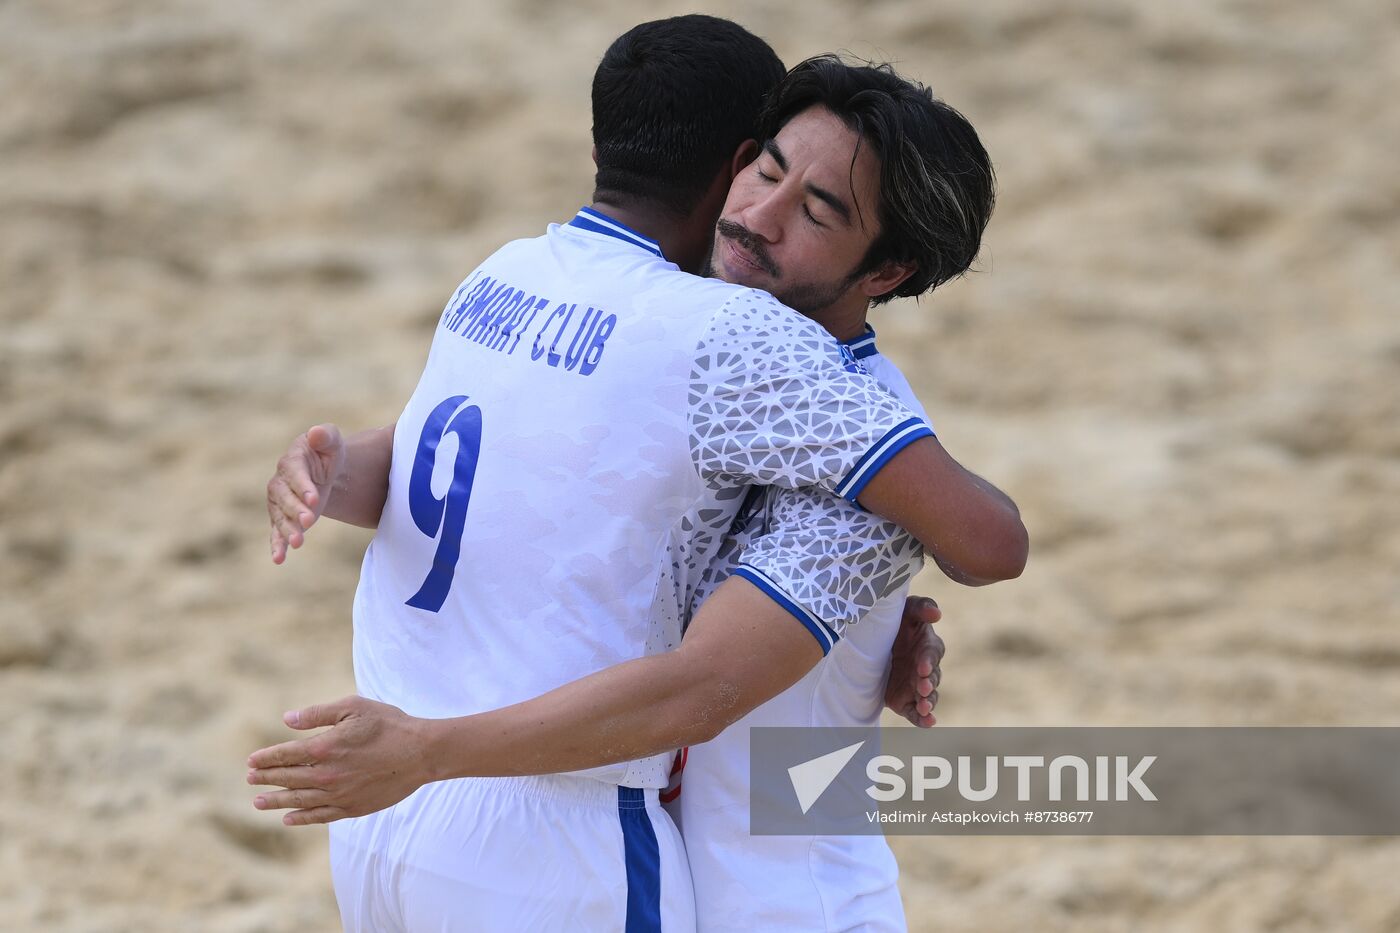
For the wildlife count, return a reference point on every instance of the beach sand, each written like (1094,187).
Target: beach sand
(221,223)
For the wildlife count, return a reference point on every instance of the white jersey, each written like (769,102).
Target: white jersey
(864,565)
(578,444)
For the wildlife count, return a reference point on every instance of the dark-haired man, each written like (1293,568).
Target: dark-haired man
(630,432)
(859,170)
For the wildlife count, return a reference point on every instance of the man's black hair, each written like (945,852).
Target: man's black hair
(937,188)
(672,101)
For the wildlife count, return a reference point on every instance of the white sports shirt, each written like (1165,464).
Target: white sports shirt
(864,565)
(578,444)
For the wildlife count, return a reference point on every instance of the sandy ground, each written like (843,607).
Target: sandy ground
(220,223)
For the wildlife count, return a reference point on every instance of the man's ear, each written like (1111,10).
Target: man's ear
(595,156)
(885,278)
(743,157)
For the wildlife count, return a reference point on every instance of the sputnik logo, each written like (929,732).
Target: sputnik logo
(811,778)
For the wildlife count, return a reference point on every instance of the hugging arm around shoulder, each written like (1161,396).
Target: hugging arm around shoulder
(970,528)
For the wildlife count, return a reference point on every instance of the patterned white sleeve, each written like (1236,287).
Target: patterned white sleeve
(776,400)
(826,561)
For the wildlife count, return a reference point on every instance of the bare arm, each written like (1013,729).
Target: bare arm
(971,528)
(347,480)
(742,649)
(362,485)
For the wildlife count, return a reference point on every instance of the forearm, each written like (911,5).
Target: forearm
(357,498)
(741,650)
(972,529)
(1013,521)
(633,710)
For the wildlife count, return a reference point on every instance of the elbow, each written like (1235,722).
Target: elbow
(699,724)
(704,730)
(711,705)
(1002,557)
(1016,551)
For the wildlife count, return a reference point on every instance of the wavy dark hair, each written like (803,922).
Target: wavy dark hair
(672,101)
(937,187)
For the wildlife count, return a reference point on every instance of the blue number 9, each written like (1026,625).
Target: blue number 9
(447,515)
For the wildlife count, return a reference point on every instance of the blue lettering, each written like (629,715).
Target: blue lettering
(553,358)
(488,314)
(520,331)
(453,306)
(595,348)
(479,305)
(537,350)
(502,313)
(460,311)
(581,337)
(517,311)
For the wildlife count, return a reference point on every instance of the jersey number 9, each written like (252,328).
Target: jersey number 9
(443,518)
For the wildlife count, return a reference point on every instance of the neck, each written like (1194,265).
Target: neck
(844,320)
(685,237)
(671,232)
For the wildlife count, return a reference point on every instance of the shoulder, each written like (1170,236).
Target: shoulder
(515,255)
(752,325)
(748,309)
(893,378)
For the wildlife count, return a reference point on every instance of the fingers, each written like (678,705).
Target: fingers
(292,496)
(299,777)
(314,816)
(930,653)
(285,513)
(298,799)
(922,720)
(301,751)
(323,438)
(921,610)
(326,714)
(325,443)
(292,504)
(930,657)
(278,545)
(286,755)
(927,684)
(294,470)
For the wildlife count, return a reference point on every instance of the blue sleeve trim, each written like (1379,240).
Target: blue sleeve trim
(895,440)
(823,633)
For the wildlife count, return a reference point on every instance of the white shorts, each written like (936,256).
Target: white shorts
(514,854)
(745,883)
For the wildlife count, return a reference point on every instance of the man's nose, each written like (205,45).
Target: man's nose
(763,218)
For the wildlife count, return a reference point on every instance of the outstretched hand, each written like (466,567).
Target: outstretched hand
(915,659)
(298,491)
(372,756)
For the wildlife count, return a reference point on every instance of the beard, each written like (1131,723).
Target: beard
(811,298)
(808,298)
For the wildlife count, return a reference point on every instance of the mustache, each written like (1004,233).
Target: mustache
(750,242)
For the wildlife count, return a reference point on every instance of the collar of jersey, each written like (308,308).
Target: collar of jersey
(864,345)
(598,222)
